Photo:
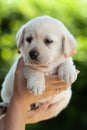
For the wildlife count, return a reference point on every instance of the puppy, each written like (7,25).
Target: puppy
(46,47)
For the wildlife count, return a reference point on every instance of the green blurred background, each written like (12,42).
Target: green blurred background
(73,13)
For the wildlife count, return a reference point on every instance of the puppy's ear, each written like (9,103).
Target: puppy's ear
(20,36)
(69,45)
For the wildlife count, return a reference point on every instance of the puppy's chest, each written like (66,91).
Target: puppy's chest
(52,71)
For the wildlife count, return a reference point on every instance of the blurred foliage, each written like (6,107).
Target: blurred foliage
(73,13)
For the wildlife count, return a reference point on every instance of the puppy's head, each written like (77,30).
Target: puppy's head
(43,40)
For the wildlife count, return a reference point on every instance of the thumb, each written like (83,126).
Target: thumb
(20,66)
(19,77)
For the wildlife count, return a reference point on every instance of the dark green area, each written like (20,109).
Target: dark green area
(73,13)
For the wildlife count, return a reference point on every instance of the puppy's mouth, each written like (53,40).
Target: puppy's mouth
(43,64)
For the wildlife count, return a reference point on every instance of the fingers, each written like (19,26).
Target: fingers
(38,114)
(44,106)
(52,78)
(53,106)
(44,112)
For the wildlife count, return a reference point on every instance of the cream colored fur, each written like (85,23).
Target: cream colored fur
(54,43)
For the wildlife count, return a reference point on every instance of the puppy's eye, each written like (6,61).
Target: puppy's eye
(47,41)
(29,39)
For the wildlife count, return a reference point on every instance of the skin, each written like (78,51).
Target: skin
(17,114)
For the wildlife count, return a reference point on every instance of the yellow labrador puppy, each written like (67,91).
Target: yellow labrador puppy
(46,47)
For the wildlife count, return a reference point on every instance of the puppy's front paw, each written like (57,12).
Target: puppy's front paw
(67,73)
(36,87)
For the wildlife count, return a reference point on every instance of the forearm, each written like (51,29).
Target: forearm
(15,116)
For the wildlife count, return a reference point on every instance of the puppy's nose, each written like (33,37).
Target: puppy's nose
(33,54)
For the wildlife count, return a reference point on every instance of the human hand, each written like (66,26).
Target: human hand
(44,112)
(53,86)
(25,98)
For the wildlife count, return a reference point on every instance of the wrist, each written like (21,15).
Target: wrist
(17,103)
